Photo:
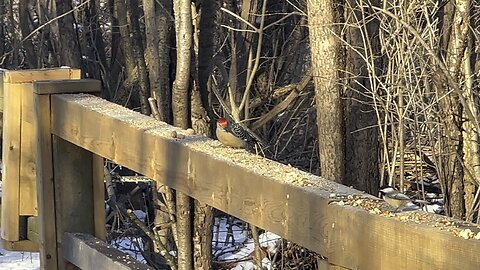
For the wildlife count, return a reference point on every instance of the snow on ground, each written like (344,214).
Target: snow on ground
(19,260)
(236,246)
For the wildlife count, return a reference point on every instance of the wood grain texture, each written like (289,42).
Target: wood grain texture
(88,252)
(11,162)
(99,197)
(45,186)
(23,245)
(28,186)
(32,230)
(28,76)
(74,201)
(239,192)
(323,264)
(348,236)
(67,86)
(359,240)
(19,177)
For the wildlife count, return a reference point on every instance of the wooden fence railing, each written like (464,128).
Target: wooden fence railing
(74,132)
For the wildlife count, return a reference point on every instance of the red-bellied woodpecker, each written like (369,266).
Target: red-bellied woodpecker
(232,134)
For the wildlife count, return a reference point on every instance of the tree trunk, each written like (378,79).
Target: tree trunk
(152,56)
(451,112)
(99,49)
(165,25)
(180,96)
(361,138)
(70,50)
(202,236)
(327,67)
(470,138)
(24,17)
(131,80)
(203,214)
(206,48)
(180,106)
(143,92)
(184,232)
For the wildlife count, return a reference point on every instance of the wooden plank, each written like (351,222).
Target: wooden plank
(90,253)
(240,192)
(358,236)
(74,204)
(28,187)
(28,76)
(23,245)
(11,163)
(32,229)
(67,86)
(99,197)
(45,186)
(259,191)
(323,264)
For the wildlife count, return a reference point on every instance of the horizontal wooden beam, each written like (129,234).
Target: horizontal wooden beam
(22,245)
(27,76)
(296,205)
(90,253)
(67,86)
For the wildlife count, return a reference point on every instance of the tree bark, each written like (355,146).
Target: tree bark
(131,80)
(144,92)
(99,49)
(165,25)
(152,56)
(180,106)
(202,237)
(451,113)
(70,50)
(24,18)
(327,64)
(361,136)
(180,97)
(206,48)
(470,137)
(184,232)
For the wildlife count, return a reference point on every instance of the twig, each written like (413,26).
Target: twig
(239,18)
(257,247)
(443,68)
(43,25)
(156,240)
(284,104)
(257,57)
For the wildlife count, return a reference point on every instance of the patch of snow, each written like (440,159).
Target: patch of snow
(238,246)
(130,245)
(19,260)
(434,208)
(270,241)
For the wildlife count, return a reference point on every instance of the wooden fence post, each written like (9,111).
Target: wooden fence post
(73,178)
(19,198)
(65,178)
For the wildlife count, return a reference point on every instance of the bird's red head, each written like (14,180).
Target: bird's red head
(222,122)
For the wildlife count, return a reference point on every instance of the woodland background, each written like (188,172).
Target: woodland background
(362,92)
